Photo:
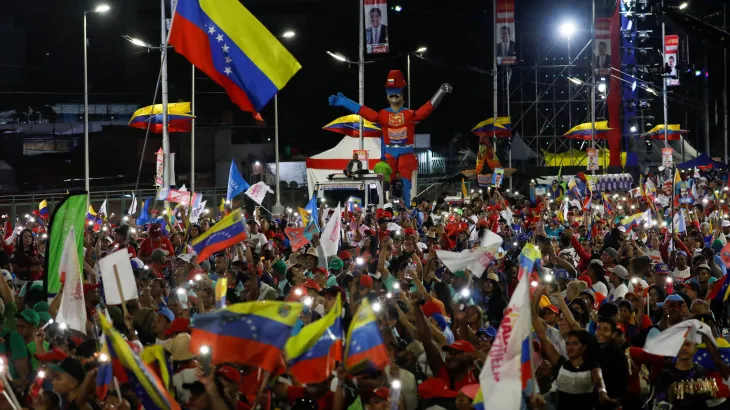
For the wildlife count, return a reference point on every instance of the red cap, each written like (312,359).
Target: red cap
(409,231)
(54,355)
(311,284)
(320,269)
(344,255)
(382,392)
(621,327)
(179,325)
(395,79)
(587,279)
(433,306)
(459,346)
(230,372)
(553,308)
(366,281)
(435,388)
(89,286)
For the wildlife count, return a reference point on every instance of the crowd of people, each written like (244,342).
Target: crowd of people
(608,283)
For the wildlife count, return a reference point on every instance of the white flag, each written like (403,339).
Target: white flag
(197,212)
(503,378)
(183,188)
(72,311)
(668,342)
(258,191)
(679,223)
(133,206)
(332,234)
(475,259)
(104,209)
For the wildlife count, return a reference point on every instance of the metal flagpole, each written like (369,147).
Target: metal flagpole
(408,74)
(192,138)
(165,126)
(724,88)
(664,90)
(86,118)
(507,79)
(593,83)
(495,78)
(361,83)
(277,207)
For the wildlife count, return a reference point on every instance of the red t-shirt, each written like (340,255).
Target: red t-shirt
(457,384)
(149,245)
(130,250)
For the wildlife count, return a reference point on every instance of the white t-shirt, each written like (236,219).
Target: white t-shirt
(257,241)
(601,288)
(681,274)
(618,292)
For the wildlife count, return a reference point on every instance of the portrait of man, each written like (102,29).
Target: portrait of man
(603,60)
(506,47)
(671,61)
(377,33)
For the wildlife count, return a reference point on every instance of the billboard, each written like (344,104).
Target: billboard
(602,50)
(505,26)
(376,26)
(671,58)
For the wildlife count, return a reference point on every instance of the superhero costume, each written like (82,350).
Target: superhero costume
(396,122)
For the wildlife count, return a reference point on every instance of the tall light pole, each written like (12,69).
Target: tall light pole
(102,8)
(593,80)
(420,51)
(567,29)
(278,208)
(165,96)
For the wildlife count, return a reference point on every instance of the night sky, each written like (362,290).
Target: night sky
(42,58)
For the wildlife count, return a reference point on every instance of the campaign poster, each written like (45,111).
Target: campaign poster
(159,165)
(497,177)
(671,58)
(506,43)
(602,50)
(667,160)
(592,154)
(376,26)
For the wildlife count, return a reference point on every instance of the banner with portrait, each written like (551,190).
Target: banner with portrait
(376,26)
(602,50)
(671,58)
(506,43)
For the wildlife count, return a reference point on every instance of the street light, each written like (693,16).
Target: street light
(338,57)
(567,29)
(139,43)
(683,6)
(101,8)
(420,50)
(277,206)
(575,81)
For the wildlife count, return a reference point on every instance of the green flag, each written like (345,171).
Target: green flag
(71,212)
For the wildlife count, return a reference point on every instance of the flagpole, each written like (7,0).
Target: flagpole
(192,137)
(361,86)
(277,206)
(165,125)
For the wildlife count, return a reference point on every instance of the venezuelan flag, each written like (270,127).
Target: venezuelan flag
(314,352)
(350,125)
(674,132)
(222,207)
(607,204)
(178,118)
(583,131)
(221,287)
(630,222)
(224,234)
(252,333)
(365,348)
(43,208)
(720,290)
(129,368)
(225,41)
(491,128)
(478,402)
(105,375)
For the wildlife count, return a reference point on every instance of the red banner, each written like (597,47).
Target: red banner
(296,238)
(505,26)
(671,58)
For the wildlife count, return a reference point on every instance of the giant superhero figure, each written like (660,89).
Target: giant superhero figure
(397,122)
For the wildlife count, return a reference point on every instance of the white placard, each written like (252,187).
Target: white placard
(120,259)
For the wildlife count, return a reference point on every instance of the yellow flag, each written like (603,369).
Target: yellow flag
(463,188)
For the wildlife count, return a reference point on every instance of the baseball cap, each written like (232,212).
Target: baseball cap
(662,269)
(671,298)
(366,281)
(72,367)
(553,308)
(382,392)
(416,348)
(613,253)
(435,388)
(280,267)
(703,266)
(460,346)
(311,284)
(167,313)
(230,372)
(30,316)
(725,223)
(90,286)
(179,325)
(344,255)
(622,229)
(489,331)
(336,263)
(692,285)
(55,355)
(587,279)
(470,390)
(562,274)
(619,271)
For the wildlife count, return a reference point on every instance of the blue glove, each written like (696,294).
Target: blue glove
(337,100)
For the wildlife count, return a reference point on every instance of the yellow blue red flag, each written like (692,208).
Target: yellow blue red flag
(226,42)
(224,234)
(251,333)
(43,208)
(314,352)
(365,349)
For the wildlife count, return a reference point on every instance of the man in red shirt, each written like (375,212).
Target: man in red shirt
(155,241)
(121,240)
(457,226)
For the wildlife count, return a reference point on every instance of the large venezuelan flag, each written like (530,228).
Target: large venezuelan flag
(252,333)
(225,41)
(583,131)
(129,368)
(222,235)
(490,128)
(43,208)
(365,348)
(178,118)
(314,352)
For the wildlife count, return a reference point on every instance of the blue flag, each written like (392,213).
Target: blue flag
(313,211)
(144,214)
(236,183)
